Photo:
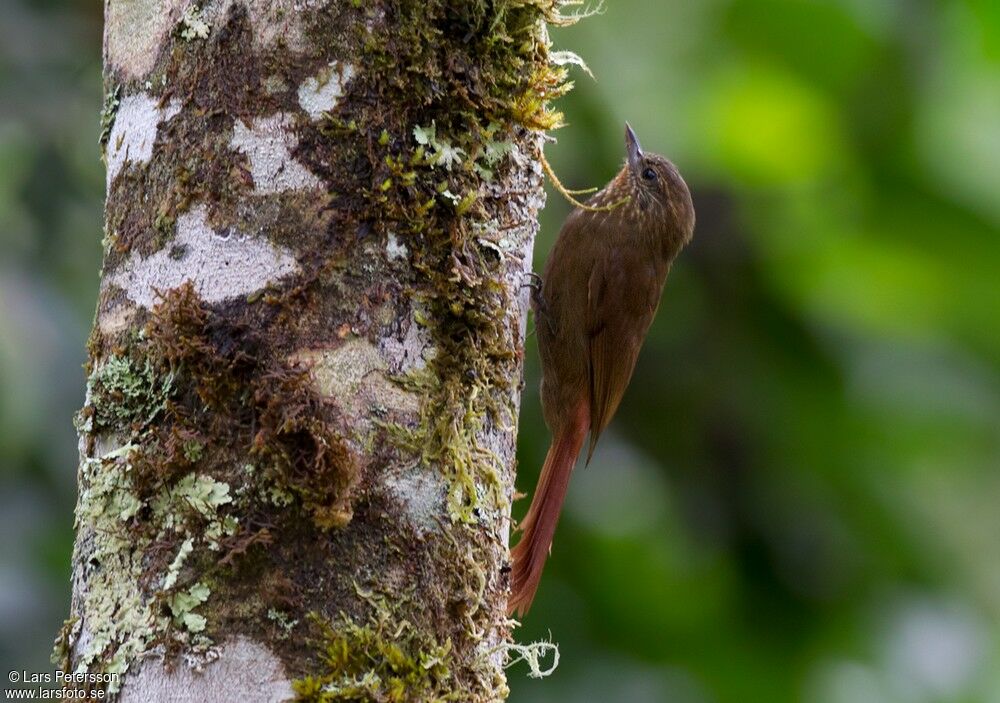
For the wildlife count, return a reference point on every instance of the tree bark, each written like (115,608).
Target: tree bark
(297,445)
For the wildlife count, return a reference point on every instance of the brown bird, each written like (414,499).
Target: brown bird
(598,295)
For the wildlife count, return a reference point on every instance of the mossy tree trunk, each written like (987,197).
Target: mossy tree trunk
(298,438)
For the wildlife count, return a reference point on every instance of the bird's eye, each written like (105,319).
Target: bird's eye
(649,174)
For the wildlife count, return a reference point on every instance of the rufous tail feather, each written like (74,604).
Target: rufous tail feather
(539,525)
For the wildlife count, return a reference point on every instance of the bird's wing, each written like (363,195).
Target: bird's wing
(618,320)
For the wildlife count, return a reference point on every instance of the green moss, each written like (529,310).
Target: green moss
(382,661)
(192,161)
(157,504)
(466,56)
(289,426)
(464,79)
(198,524)
(428,640)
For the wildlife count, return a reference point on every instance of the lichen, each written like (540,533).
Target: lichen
(122,394)
(156,496)
(289,426)
(112,99)
(175,566)
(133,131)
(532,654)
(119,615)
(267,142)
(193,24)
(283,620)
(248,263)
(276,437)
(431,162)
(320,93)
(183,603)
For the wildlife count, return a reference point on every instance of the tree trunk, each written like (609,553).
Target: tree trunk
(297,445)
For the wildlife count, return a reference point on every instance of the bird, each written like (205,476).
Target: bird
(597,296)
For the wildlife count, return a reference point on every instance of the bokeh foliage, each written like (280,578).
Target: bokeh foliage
(799,498)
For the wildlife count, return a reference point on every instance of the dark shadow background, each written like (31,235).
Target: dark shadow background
(800,497)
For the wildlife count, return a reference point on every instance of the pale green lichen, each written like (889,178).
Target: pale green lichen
(101,494)
(157,496)
(193,450)
(183,603)
(122,392)
(441,152)
(278,496)
(175,566)
(205,496)
(118,622)
(201,493)
(217,529)
(109,111)
(532,655)
(282,620)
(193,25)
(120,619)
(484,154)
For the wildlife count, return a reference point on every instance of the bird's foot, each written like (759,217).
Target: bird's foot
(533,280)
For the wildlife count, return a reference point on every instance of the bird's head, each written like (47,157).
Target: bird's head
(658,193)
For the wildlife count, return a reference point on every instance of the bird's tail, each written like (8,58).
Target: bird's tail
(539,525)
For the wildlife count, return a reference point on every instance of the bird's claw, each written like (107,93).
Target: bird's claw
(533,281)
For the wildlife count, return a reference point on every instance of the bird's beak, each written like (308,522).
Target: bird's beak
(632,147)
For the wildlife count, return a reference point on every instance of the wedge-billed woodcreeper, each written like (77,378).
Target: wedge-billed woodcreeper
(598,295)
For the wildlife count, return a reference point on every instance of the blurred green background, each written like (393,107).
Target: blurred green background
(800,497)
